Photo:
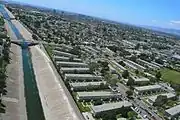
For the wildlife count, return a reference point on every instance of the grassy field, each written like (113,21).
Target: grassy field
(170,76)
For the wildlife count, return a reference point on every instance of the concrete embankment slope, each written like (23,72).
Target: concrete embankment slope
(54,100)
(9,13)
(15,99)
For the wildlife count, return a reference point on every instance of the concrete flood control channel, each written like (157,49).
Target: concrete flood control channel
(33,102)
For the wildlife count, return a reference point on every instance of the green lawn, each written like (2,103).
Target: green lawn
(170,75)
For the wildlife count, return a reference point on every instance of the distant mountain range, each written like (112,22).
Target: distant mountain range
(165,30)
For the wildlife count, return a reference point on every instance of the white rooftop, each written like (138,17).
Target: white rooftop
(96,94)
(148,63)
(149,87)
(71,63)
(69,69)
(65,58)
(110,106)
(66,54)
(169,95)
(118,65)
(135,64)
(130,65)
(82,76)
(84,84)
(142,79)
(174,110)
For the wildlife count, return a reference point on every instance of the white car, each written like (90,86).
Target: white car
(145,116)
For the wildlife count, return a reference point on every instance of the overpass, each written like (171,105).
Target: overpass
(24,44)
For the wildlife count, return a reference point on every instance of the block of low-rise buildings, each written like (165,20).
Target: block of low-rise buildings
(149,75)
(63,54)
(117,65)
(157,64)
(97,95)
(65,59)
(151,99)
(131,66)
(147,89)
(150,65)
(139,81)
(75,70)
(85,85)
(173,113)
(72,64)
(92,49)
(82,77)
(136,65)
(107,107)
(112,69)
(108,51)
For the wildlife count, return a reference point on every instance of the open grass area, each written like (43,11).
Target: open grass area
(170,75)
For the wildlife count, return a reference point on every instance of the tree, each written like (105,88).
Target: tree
(71,59)
(158,75)
(137,72)
(34,37)
(93,66)
(132,115)
(153,80)
(76,50)
(125,74)
(137,46)
(160,100)
(170,103)
(129,93)
(130,82)
(102,86)
(98,102)
(122,63)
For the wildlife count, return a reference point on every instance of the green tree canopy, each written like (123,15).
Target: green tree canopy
(125,74)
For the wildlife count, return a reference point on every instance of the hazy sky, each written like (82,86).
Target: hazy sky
(163,13)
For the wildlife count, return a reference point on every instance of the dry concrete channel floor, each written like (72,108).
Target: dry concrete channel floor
(46,96)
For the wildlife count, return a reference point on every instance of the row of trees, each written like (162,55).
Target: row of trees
(4,61)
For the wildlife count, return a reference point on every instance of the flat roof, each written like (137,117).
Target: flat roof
(71,63)
(135,64)
(96,94)
(130,65)
(82,76)
(148,87)
(83,84)
(148,74)
(63,53)
(148,63)
(174,110)
(169,95)
(66,58)
(142,79)
(110,106)
(74,68)
(118,65)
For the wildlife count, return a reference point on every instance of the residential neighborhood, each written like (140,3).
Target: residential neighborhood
(112,71)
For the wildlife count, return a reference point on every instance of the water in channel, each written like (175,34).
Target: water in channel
(33,102)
